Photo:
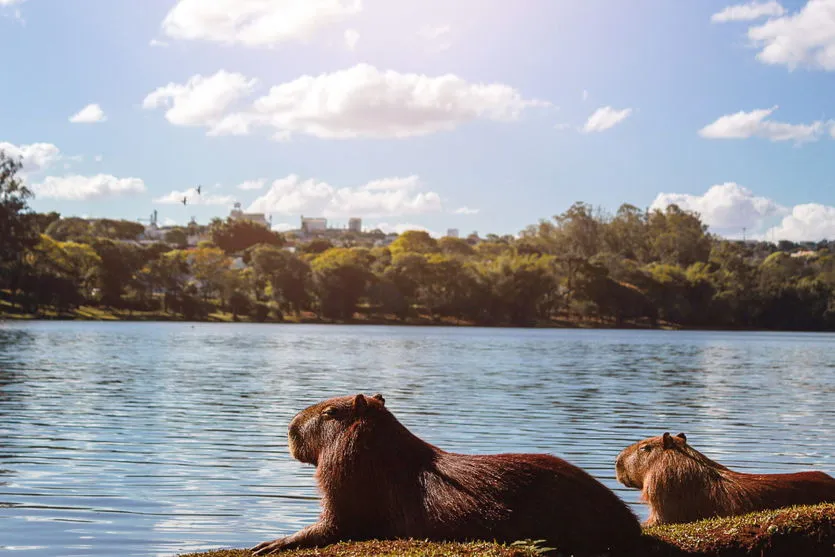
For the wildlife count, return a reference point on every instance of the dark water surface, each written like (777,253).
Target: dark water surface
(157,439)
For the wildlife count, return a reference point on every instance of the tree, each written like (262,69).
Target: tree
(678,237)
(455,246)
(177,237)
(341,279)
(414,241)
(289,277)
(119,264)
(234,236)
(16,230)
(209,266)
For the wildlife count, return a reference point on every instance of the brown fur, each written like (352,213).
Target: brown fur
(379,481)
(680,484)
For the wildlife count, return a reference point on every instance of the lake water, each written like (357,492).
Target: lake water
(163,438)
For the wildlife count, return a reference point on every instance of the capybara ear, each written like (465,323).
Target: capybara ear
(682,436)
(379,397)
(360,405)
(667,440)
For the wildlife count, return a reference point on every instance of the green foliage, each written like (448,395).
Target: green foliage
(635,267)
(234,236)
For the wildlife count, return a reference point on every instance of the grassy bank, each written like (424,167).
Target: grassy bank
(789,532)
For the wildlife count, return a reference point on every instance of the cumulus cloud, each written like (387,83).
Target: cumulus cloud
(748,12)
(250,185)
(387,197)
(35,156)
(727,206)
(743,125)
(351,38)
(805,38)
(466,211)
(255,22)
(359,102)
(194,198)
(85,188)
(363,101)
(90,114)
(808,222)
(605,118)
(202,101)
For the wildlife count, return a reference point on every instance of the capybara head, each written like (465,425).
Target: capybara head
(318,426)
(637,460)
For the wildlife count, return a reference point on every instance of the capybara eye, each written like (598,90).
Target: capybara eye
(646,448)
(330,411)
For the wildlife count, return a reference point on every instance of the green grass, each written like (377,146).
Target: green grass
(396,548)
(790,532)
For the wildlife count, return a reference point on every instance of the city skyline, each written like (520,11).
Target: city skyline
(424,115)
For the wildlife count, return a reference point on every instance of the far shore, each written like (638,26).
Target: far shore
(91,313)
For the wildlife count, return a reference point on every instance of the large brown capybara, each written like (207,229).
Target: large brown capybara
(680,484)
(379,481)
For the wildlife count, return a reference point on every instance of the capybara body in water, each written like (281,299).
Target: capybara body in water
(379,481)
(680,484)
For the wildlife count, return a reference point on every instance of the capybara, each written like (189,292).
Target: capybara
(680,484)
(380,481)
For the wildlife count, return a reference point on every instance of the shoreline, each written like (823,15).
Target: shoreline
(95,314)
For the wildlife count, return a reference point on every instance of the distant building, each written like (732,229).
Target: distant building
(452,232)
(257,218)
(355,225)
(313,225)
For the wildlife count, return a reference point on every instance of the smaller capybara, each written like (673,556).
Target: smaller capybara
(379,481)
(680,484)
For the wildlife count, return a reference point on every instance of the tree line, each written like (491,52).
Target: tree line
(633,267)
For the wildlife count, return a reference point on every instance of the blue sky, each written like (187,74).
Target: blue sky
(470,115)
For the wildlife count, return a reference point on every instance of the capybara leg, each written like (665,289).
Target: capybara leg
(316,535)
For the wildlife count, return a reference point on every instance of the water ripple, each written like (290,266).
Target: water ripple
(157,439)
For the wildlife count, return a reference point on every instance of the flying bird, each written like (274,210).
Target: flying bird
(185,199)
(198,189)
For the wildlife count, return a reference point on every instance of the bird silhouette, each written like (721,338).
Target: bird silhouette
(185,200)
(198,189)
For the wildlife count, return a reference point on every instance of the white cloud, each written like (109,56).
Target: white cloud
(727,206)
(292,195)
(194,198)
(742,125)
(35,157)
(363,101)
(158,43)
(358,102)
(351,38)
(605,118)
(202,101)
(90,114)
(250,185)
(748,12)
(255,22)
(98,158)
(808,222)
(168,221)
(401,228)
(806,38)
(11,2)
(466,211)
(84,188)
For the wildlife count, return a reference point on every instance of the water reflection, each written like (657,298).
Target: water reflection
(154,439)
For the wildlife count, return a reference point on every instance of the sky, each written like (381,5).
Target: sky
(480,115)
